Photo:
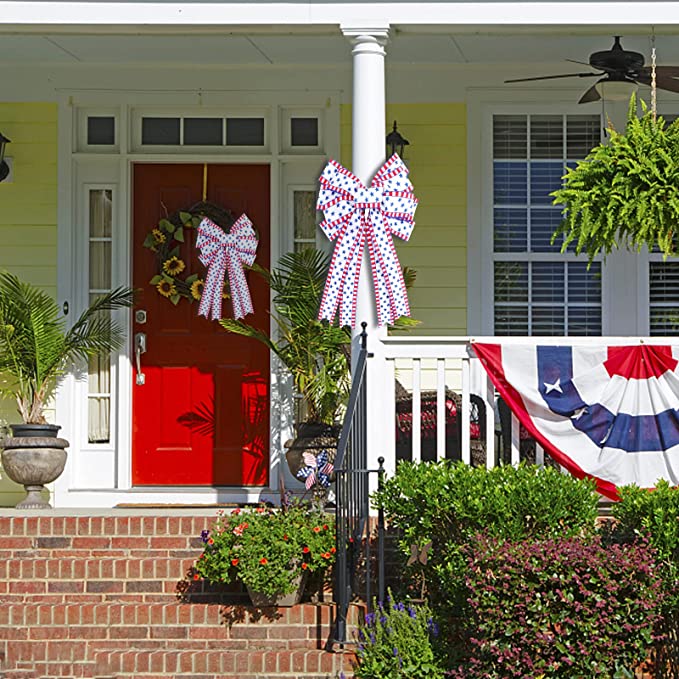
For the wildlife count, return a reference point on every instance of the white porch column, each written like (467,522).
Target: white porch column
(368,148)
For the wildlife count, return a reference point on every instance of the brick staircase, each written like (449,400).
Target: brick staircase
(106,597)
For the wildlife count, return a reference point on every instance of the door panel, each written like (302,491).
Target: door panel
(202,416)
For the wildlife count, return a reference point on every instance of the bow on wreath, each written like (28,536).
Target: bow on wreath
(220,252)
(356,217)
(316,467)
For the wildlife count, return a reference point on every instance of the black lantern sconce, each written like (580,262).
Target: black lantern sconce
(396,143)
(4,167)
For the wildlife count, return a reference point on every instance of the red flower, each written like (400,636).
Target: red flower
(317,529)
(333,550)
(261,510)
(196,576)
(234,562)
(264,561)
(285,537)
(305,550)
(305,565)
(235,512)
(211,541)
(325,526)
(326,555)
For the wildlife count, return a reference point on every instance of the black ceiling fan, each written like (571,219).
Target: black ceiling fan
(617,65)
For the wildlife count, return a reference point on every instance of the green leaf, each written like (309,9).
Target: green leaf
(185,217)
(166,225)
(179,235)
(175,299)
(149,241)
(156,279)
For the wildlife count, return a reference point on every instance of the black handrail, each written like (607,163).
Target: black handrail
(352,502)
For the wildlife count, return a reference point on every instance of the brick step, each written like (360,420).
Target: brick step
(179,662)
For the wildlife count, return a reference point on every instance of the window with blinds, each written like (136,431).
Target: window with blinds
(537,289)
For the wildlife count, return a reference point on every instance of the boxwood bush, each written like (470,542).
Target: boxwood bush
(563,607)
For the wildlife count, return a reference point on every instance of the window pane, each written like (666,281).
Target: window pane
(203,131)
(509,183)
(584,285)
(509,137)
(583,134)
(101,130)
(584,321)
(511,230)
(100,213)
(546,137)
(664,282)
(99,420)
(545,178)
(511,320)
(548,282)
(304,131)
(160,131)
(305,215)
(245,131)
(100,265)
(664,321)
(543,223)
(547,321)
(511,281)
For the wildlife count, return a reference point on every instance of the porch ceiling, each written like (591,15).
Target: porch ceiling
(238,49)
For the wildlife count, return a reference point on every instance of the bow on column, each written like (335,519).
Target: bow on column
(221,251)
(356,217)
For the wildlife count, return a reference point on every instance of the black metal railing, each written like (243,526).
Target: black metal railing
(354,565)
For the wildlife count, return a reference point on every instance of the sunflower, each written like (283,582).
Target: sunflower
(166,289)
(197,289)
(158,236)
(225,291)
(173,266)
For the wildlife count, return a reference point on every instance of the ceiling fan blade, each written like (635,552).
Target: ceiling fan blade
(575,61)
(661,70)
(590,95)
(663,82)
(552,77)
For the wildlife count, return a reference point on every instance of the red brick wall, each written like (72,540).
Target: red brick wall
(106,597)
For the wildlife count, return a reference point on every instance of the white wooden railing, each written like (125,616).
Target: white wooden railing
(440,363)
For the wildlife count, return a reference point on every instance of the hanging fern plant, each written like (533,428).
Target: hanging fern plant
(626,192)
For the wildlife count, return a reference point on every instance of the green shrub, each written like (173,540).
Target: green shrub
(568,608)
(395,642)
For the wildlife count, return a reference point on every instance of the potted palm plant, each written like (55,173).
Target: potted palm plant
(36,349)
(315,353)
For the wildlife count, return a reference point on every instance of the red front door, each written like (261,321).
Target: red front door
(202,415)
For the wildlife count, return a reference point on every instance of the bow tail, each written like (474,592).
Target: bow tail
(240,293)
(390,289)
(341,285)
(212,292)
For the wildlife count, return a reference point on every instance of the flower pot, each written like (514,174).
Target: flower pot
(34,461)
(261,600)
(44,430)
(312,437)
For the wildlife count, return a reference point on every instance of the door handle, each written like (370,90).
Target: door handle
(139,349)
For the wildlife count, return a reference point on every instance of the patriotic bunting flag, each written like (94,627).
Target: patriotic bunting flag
(607,412)
(357,217)
(222,252)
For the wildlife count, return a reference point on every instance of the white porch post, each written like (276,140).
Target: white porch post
(368,147)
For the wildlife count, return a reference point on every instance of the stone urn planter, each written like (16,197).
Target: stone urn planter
(34,461)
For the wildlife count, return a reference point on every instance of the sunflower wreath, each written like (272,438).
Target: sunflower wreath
(165,240)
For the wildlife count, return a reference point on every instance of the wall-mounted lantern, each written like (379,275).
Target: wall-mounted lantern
(396,143)
(4,167)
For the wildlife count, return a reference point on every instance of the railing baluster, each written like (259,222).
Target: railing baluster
(465,415)
(516,440)
(417,410)
(387,426)
(489,400)
(440,409)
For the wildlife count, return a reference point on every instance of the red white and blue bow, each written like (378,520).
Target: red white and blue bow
(220,252)
(316,468)
(356,217)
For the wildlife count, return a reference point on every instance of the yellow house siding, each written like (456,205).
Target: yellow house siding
(28,214)
(437,158)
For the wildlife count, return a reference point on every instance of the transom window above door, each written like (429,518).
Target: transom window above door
(537,289)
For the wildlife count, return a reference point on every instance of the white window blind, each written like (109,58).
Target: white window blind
(537,289)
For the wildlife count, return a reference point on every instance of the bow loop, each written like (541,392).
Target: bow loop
(357,216)
(220,251)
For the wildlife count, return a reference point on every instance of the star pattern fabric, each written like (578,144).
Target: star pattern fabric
(357,217)
(316,468)
(222,252)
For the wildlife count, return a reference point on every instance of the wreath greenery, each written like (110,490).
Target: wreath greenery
(626,192)
(172,279)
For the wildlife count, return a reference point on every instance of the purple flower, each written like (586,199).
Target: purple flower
(204,535)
